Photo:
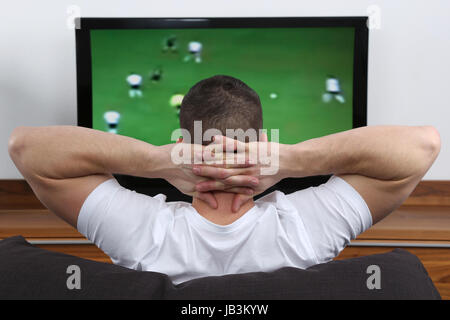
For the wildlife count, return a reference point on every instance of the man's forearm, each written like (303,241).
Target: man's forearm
(60,152)
(381,152)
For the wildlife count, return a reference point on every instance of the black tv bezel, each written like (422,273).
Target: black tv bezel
(154,186)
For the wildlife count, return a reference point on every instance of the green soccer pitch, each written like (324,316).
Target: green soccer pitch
(293,64)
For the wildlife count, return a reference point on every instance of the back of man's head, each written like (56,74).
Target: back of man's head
(221,102)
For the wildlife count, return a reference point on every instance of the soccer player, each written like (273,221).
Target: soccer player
(333,90)
(112,120)
(134,80)
(156,74)
(170,44)
(175,102)
(195,51)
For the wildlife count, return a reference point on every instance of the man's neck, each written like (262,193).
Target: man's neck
(223,215)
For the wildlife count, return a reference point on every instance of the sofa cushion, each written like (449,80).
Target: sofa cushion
(28,272)
(402,276)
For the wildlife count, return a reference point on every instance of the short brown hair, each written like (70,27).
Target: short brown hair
(221,102)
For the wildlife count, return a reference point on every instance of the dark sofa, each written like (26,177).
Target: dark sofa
(28,272)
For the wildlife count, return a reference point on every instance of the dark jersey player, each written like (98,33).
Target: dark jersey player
(170,44)
(156,75)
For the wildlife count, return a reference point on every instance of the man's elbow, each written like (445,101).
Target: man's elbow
(430,145)
(17,143)
(433,141)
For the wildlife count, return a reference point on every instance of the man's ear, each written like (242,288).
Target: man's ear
(180,139)
(263,137)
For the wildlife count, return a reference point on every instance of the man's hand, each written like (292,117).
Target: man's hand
(184,177)
(262,167)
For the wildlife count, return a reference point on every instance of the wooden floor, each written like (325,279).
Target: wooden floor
(413,223)
(411,226)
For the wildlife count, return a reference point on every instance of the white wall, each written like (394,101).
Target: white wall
(409,63)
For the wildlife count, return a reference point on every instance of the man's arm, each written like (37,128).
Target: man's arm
(64,164)
(383,163)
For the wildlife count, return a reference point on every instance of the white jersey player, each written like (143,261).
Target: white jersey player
(333,90)
(112,120)
(195,51)
(134,81)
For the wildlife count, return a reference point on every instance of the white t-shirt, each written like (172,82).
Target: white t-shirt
(112,117)
(333,85)
(134,80)
(195,46)
(146,233)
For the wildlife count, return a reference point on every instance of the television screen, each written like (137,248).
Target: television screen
(304,77)
(310,73)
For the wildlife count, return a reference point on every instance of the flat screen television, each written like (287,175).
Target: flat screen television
(310,74)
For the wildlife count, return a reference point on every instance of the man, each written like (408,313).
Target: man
(175,102)
(156,74)
(112,120)
(195,51)
(333,90)
(134,80)
(170,44)
(223,231)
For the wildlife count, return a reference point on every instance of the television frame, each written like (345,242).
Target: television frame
(155,186)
